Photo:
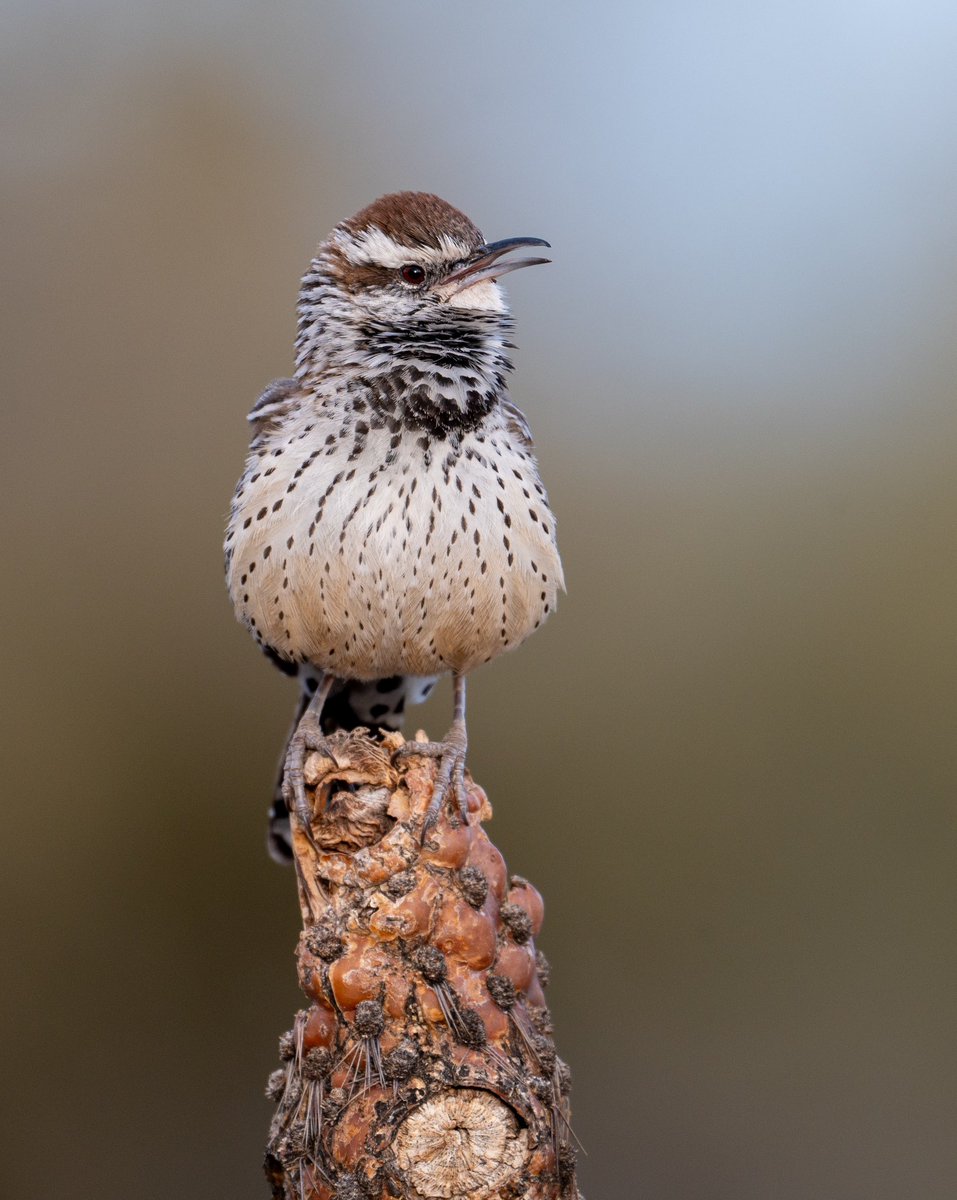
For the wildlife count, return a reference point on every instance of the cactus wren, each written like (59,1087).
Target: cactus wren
(390,525)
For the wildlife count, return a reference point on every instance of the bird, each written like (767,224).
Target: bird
(390,525)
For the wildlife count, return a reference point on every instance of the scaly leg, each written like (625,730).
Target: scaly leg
(450,777)
(307,738)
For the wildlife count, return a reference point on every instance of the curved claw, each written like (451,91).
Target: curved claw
(425,749)
(294,788)
(304,741)
(319,744)
(450,752)
(449,779)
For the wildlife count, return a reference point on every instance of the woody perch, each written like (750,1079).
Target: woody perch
(390,524)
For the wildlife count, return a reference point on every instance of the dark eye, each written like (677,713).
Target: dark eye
(412,273)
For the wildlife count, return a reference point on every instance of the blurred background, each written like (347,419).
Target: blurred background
(728,761)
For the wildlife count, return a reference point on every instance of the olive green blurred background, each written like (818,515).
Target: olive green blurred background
(728,761)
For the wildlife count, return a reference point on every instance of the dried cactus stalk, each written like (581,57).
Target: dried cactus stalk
(424,1065)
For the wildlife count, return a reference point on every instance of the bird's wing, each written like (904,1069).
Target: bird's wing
(278,398)
(517,425)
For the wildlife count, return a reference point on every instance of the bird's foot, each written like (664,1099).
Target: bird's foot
(307,739)
(449,778)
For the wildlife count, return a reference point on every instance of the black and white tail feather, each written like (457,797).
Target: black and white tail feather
(375,705)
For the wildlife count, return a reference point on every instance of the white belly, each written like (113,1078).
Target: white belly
(369,569)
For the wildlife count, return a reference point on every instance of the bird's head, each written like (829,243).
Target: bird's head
(407,266)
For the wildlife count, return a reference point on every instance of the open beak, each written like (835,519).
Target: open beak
(486,263)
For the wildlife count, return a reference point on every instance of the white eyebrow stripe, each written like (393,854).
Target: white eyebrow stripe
(374,247)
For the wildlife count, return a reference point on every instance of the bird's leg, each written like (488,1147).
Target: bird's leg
(450,776)
(308,737)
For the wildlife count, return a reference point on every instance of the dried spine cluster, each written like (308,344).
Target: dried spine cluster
(424,1065)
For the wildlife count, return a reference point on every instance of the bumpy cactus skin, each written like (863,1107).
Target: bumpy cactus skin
(424,1064)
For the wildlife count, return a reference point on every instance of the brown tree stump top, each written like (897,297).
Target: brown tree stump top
(424,1066)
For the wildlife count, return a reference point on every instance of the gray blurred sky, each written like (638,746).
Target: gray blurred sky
(752,204)
(729,761)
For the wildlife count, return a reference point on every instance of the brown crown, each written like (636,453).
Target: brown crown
(415,219)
